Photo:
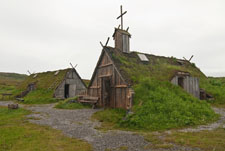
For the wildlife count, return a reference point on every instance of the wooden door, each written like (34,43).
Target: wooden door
(105,91)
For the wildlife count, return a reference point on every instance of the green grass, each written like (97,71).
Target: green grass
(156,142)
(159,106)
(17,134)
(215,87)
(206,140)
(40,96)
(66,104)
(109,118)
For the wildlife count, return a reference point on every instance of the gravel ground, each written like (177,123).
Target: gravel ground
(77,124)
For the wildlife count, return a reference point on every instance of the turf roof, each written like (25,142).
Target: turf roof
(45,80)
(158,67)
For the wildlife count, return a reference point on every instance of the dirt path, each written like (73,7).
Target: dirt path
(77,124)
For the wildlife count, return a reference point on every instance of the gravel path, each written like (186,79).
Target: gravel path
(77,124)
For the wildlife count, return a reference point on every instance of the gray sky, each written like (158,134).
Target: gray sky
(42,35)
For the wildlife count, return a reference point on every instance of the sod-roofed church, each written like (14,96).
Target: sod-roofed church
(119,69)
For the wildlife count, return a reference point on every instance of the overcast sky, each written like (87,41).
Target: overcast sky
(43,35)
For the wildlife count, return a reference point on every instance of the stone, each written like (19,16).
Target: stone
(13,106)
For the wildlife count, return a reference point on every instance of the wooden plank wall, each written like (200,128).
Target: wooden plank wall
(119,90)
(191,85)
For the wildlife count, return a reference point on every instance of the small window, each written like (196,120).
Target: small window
(143,57)
(56,73)
(35,76)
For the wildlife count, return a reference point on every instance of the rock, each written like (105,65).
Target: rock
(72,101)
(13,106)
(20,99)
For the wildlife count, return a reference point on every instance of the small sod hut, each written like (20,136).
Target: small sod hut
(61,83)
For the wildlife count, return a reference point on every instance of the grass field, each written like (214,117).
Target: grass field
(206,140)
(17,134)
(9,83)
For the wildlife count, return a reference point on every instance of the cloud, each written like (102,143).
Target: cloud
(48,34)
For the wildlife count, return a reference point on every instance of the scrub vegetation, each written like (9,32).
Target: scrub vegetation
(17,134)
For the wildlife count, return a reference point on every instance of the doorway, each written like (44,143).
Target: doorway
(66,90)
(181,81)
(106,91)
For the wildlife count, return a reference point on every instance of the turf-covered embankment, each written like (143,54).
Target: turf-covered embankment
(159,106)
(40,96)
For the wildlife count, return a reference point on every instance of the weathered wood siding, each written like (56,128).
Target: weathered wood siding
(122,42)
(76,86)
(119,91)
(191,85)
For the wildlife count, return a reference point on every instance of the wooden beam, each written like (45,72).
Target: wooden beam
(101,44)
(94,87)
(121,15)
(105,65)
(102,76)
(191,58)
(107,41)
(185,59)
(120,86)
(29,72)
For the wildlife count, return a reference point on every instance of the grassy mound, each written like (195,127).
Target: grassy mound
(40,96)
(17,134)
(161,105)
(215,87)
(68,104)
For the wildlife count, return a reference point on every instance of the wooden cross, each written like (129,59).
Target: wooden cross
(121,16)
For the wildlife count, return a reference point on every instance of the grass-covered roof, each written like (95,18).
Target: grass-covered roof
(45,80)
(159,67)
(162,68)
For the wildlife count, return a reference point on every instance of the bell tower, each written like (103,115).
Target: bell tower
(121,36)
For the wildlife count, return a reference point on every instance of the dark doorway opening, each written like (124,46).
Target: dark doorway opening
(66,90)
(31,87)
(106,91)
(181,82)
